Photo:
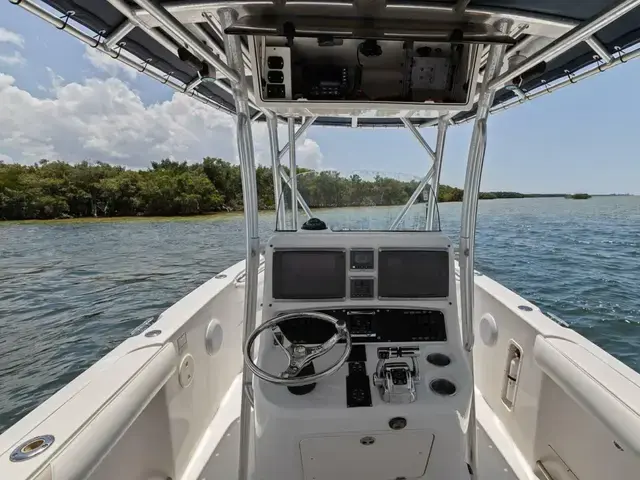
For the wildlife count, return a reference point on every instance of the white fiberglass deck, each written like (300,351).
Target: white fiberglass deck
(221,445)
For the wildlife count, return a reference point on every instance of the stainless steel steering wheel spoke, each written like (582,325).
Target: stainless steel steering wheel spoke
(298,359)
(298,356)
(282,341)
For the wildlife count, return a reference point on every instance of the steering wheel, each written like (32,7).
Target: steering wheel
(299,355)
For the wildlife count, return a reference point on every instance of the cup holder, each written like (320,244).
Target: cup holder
(438,359)
(443,387)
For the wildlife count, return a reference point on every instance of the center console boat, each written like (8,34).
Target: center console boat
(347,355)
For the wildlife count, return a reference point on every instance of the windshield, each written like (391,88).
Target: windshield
(374,201)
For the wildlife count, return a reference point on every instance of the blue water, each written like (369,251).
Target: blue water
(70,292)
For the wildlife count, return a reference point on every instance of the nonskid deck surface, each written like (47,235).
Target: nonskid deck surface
(223,463)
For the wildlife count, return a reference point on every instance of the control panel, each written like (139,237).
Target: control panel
(362,259)
(372,326)
(324,82)
(389,289)
(362,288)
(387,272)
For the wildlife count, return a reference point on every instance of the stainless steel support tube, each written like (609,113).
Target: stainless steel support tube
(119,33)
(303,128)
(193,84)
(292,140)
(301,201)
(250,198)
(547,89)
(200,31)
(416,133)
(272,126)
(443,125)
(293,169)
(414,196)
(127,11)
(213,23)
(425,180)
(599,48)
(180,32)
(475,163)
(568,40)
(543,470)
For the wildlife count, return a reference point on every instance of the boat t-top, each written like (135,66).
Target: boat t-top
(337,353)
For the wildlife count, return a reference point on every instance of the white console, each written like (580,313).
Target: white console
(396,408)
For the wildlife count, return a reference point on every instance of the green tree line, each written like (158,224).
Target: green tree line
(56,189)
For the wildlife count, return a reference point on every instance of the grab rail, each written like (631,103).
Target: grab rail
(543,470)
(242,276)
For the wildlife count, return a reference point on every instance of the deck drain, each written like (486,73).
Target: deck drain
(367,440)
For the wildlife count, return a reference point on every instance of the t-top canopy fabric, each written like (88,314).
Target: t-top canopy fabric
(101,16)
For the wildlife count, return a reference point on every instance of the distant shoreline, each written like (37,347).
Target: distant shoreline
(215,216)
(56,190)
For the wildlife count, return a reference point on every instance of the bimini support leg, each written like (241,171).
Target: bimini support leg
(443,124)
(301,201)
(412,199)
(303,128)
(233,49)
(293,170)
(425,180)
(468,223)
(272,126)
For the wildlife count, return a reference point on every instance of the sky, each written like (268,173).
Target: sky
(62,100)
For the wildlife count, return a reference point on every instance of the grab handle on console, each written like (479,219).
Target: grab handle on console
(361,312)
(543,470)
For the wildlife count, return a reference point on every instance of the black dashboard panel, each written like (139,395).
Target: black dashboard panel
(413,273)
(382,325)
(300,274)
(385,273)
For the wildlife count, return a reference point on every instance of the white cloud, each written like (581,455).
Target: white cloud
(7,36)
(5,158)
(104,120)
(14,59)
(309,153)
(6,81)
(107,64)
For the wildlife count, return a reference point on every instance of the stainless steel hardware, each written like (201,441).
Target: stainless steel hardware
(396,380)
(543,470)
(31,448)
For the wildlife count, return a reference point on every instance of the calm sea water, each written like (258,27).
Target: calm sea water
(70,292)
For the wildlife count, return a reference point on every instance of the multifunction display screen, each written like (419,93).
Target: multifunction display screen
(309,274)
(413,273)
